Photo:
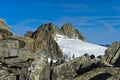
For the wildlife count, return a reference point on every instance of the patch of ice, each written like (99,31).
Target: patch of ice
(73,48)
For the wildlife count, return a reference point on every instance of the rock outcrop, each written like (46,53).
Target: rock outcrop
(28,34)
(71,69)
(100,74)
(4,29)
(112,54)
(9,44)
(39,69)
(24,42)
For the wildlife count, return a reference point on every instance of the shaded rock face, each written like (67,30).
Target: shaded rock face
(71,69)
(44,40)
(100,74)
(4,30)
(112,54)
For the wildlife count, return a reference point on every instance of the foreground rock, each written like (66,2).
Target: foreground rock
(24,42)
(9,44)
(39,69)
(71,69)
(112,54)
(88,68)
(13,56)
(101,74)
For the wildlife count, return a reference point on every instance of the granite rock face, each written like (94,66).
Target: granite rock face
(43,37)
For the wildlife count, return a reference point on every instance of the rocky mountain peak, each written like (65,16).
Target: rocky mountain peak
(68,25)
(44,40)
(69,30)
(49,27)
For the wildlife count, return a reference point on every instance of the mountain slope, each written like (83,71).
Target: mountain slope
(74,47)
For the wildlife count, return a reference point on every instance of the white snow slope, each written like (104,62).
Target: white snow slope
(74,47)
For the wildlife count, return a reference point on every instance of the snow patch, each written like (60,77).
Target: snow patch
(73,48)
(53,60)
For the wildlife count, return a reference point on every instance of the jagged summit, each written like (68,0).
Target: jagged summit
(66,30)
(69,30)
(48,27)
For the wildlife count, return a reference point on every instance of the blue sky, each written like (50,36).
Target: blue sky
(98,20)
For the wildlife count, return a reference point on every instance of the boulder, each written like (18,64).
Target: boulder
(24,42)
(100,74)
(12,56)
(9,44)
(112,54)
(6,75)
(71,69)
(39,69)
(3,74)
